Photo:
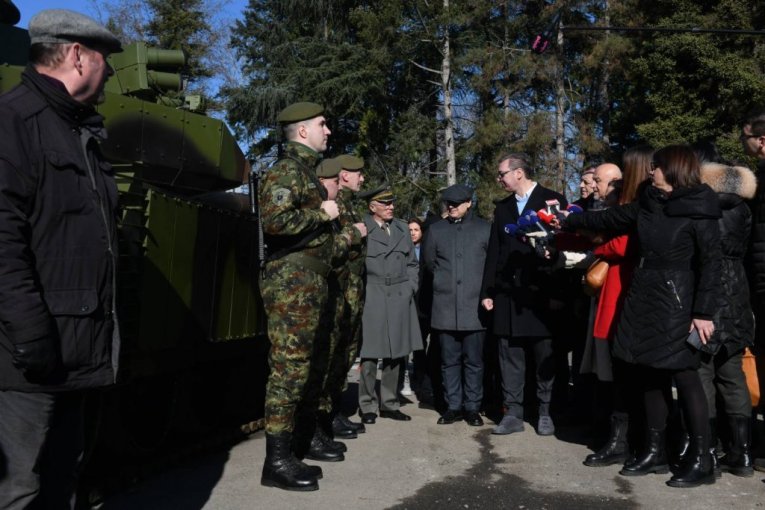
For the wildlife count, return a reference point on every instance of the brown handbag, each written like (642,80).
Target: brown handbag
(595,276)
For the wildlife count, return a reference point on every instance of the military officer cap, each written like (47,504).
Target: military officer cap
(382,194)
(350,163)
(328,168)
(299,111)
(457,194)
(63,26)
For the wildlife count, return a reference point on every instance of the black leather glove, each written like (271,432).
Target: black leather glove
(38,359)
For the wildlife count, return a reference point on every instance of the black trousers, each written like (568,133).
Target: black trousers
(723,374)
(41,447)
(512,365)
(462,368)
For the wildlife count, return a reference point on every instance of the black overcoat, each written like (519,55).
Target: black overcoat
(519,282)
(57,245)
(734,322)
(677,277)
(454,253)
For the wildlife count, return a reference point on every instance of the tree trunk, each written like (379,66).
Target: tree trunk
(560,134)
(451,165)
(605,110)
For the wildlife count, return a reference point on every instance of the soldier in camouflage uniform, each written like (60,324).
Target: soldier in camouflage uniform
(297,220)
(347,291)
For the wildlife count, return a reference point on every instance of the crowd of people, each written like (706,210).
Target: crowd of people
(673,309)
(473,302)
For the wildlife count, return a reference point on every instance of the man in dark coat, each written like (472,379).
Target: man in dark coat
(390,328)
(58,205)
(522,295)
(454,253)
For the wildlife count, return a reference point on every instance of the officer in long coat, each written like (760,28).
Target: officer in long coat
(390,327)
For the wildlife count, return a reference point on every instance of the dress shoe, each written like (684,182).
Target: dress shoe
(368,418)
(545,426)
(449,417)
(395,415)
(473,419)
(323,449)
(508,425)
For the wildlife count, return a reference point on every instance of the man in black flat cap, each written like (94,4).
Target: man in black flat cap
(454,252)
(58,205)
(390,330)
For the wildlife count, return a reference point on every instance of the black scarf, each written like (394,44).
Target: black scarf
(77,115)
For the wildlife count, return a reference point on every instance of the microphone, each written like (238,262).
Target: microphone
(535,222)
(511,229)
(574,209)
(545,216)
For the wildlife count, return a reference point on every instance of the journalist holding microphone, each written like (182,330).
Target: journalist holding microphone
(673,296)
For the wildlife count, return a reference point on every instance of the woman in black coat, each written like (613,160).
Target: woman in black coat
(674,292)
(721,372)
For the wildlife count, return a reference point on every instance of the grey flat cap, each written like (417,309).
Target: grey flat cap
(65,26)
(458,194)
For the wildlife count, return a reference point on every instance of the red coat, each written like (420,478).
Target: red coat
(620,253)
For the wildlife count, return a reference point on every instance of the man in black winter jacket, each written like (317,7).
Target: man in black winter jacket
(58,203)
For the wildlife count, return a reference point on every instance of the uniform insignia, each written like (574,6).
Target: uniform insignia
(311,185)
(281,196)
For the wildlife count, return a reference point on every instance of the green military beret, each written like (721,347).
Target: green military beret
(381,194)
(328,168)
(350,163)
(299,111)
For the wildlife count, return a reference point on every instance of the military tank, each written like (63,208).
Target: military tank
(193,366)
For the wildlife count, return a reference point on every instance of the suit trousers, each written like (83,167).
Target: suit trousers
(391,368)
(462,349)
(41,447)
(512,365)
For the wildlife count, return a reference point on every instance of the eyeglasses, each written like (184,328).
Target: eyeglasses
(501,175)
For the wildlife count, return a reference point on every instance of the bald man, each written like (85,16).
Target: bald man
(608,184)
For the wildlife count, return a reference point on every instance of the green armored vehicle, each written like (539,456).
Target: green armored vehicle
(194,348)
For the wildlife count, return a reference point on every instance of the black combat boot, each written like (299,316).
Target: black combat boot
(341,421)
(328,423)
(652,460)
(616,450)
(281,469)
(738,460)
(697,469)
(321,448)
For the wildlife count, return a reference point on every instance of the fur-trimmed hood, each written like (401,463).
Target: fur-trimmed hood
(737,180)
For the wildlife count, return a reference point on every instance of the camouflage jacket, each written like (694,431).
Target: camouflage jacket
(348,216)
(290,197)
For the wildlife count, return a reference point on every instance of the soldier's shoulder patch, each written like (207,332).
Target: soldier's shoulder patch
(281,196)
(311,185)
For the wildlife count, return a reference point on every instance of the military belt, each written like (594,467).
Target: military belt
(309,262)
(386,280)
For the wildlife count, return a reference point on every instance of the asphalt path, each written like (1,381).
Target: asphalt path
(422,465)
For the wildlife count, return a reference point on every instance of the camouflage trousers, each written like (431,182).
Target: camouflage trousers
(295,302)
(348,298)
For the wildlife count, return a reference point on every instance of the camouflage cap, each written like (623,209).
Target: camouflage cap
(299,111)
(64,26)
(350,163)
(381,194)
(328,168)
